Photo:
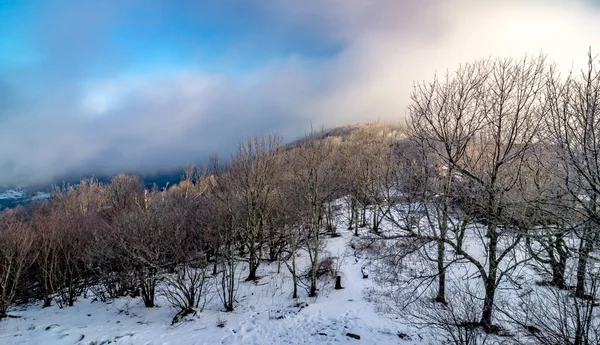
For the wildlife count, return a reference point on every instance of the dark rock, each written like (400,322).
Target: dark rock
(352,335)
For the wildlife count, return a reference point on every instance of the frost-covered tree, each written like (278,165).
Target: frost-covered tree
(476,128)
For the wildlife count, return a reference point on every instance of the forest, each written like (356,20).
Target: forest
(480,211)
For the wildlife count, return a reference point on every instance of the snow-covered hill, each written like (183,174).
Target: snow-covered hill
(12,194)
(13,197)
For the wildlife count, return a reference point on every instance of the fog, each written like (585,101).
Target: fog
(80,105)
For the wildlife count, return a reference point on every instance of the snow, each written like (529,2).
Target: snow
(22,196)
(12,194)
(41,196)
(265,314)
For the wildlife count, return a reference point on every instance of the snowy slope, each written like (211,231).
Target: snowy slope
(265,314)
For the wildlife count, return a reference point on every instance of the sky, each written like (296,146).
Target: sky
(144,86)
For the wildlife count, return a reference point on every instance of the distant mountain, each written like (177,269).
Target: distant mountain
(13,197)
(10,198)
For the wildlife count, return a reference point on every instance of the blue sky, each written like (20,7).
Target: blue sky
(114,37)
(95,87)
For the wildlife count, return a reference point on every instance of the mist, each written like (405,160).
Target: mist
(76,102)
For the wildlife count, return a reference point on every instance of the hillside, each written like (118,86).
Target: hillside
(12,197)
(266,314)
(351,132)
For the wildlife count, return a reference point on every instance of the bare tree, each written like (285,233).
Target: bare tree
(573,104)
(480,125)
(16,255)
(252,176)
(546,209)
(151,238)
(445,115)
(225,224)
(125,193)
(73,212)
(367,153)
(313,184)
(46,265)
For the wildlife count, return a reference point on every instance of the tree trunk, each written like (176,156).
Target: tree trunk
(585,247)
(338,283)
(490,281)
(441,245)
(148,287)
(558,275)
(558,271)
(488,306)
(252,271)
(356,222)
(315,263)
(558,268)
(441,251)
(329,218)
(363,216)
(272,253)
(231,287)
(253,263)
(255,254)
(351,213)
(294,277)
(376,219)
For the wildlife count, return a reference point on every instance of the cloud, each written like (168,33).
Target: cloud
(327,63)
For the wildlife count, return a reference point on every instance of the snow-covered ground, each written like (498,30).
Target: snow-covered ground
(265,314)
(41,196)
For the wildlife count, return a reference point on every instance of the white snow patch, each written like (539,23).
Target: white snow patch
(41,196)
(12,194)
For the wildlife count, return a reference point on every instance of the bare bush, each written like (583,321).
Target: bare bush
(16,255)
(455,322)
(550,315)
(187,289)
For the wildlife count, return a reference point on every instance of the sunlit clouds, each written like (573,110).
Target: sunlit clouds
(146,86)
